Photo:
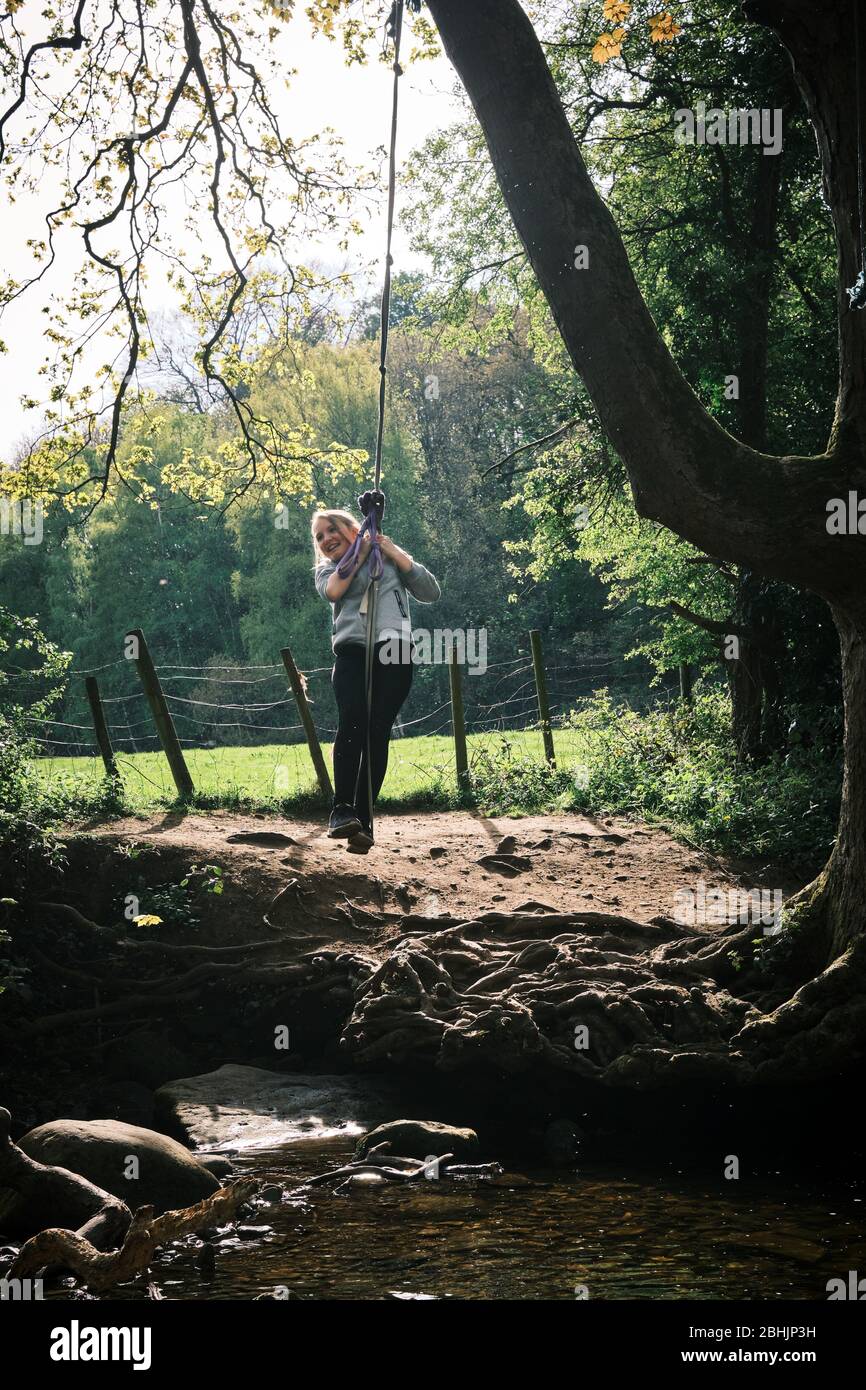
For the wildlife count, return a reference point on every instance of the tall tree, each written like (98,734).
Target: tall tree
(734,501)
(730,248)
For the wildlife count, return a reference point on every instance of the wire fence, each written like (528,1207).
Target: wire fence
(218,707)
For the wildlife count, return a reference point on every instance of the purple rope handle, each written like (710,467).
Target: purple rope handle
(372,508)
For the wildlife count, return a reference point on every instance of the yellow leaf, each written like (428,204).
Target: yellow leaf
(663,27)
(616,11)
(147,919)
(608,46)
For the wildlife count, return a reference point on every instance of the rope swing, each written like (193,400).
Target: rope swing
(372,503)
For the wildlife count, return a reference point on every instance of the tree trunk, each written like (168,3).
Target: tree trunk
(686,472)
(820,42)
(773,713)
(754,680)
(754,676)
(753,328)
(841,889)
(744,683)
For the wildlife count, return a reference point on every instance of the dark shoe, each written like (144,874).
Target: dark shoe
(343,823)
(362,841)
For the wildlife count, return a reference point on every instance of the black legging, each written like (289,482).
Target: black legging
(391,683)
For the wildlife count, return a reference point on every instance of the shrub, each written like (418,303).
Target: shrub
(506,780)
(31,683)
(677,763)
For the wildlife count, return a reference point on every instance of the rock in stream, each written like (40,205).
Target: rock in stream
(238,1107)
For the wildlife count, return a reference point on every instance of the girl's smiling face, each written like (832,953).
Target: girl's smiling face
(333,542)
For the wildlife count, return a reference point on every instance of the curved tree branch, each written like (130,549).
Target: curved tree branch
(170,93)
(686,471)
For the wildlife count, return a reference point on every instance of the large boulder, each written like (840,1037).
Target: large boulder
(165,1176)
(421,1139)
(34,1196)
(237,1107)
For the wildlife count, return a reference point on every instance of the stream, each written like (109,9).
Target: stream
(617,1232)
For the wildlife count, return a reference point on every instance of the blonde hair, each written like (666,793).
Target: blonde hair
(345,521)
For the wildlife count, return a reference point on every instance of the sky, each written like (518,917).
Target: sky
(355,101)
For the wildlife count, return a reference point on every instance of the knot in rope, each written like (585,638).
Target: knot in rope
(372,505)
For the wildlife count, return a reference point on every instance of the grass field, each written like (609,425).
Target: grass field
(420,771)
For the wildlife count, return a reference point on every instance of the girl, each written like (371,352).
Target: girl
(333,533)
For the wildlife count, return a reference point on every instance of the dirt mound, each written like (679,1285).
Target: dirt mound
(433,865)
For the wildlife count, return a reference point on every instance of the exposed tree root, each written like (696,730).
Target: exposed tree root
(77,918)
(609,1000)
(60,1196)
(104,1270)
(822,1027)
(591,994)
(321,971)
(150,1003)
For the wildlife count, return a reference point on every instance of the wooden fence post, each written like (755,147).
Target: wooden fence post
(161,715)
(458,722)
(100,727)
(541,691)
(309,727)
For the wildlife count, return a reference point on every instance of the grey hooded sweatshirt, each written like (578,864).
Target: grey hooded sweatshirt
(349,623)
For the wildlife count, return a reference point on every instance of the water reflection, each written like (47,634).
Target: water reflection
(540,1234)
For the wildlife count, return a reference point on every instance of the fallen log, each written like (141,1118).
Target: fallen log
(100,1270)
(396,1169)
(60,1197)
